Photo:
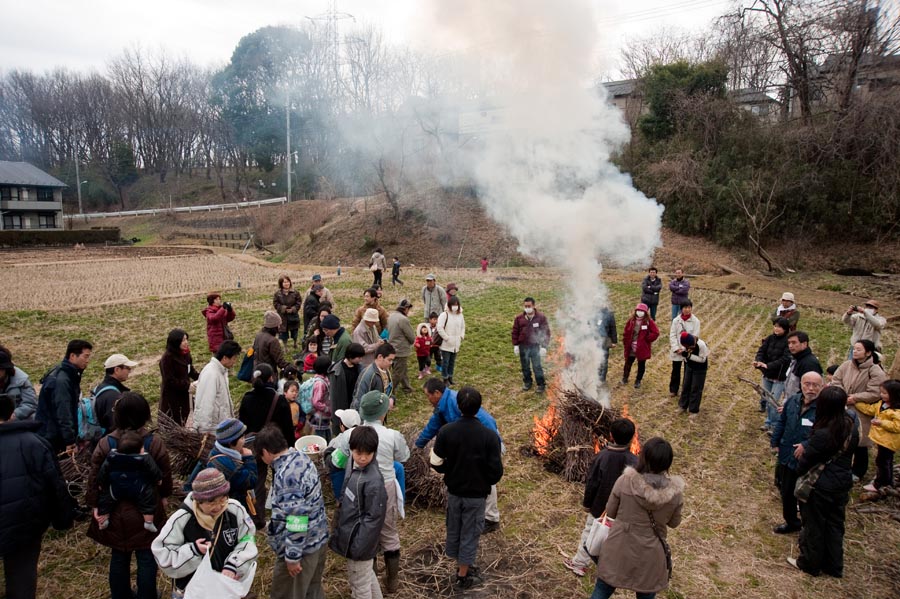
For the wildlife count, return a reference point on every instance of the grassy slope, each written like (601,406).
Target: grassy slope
(724,548)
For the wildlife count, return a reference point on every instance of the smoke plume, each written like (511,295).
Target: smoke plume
(544,171)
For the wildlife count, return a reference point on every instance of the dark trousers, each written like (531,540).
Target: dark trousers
(465,522)
(395,279)
(290,333)
(787,480)
(675,379)
(642,366)
(436,355)
(259,520)
(822,537)
(604,366)
(376,277)
(860,462)
(530,358)
(424,362)
(604,591)
(692,390)
(20,568)
(884,467)
(653,308)
(120,574)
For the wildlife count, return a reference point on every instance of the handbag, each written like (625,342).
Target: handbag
(599,532)
(227,333)
(373,267)
(245,372)
(807,481)
(662,541)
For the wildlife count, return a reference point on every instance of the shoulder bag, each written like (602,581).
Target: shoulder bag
(665,545)
(806,482)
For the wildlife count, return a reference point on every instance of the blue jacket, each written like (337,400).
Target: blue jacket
(447,411)
(240,474)
(791,429)
(298,525)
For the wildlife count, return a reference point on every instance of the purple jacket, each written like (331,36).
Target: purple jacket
(680,290)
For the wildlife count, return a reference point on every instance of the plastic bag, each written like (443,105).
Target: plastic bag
(207,583)
(599,531)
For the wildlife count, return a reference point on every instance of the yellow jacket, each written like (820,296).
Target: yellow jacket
(887,434)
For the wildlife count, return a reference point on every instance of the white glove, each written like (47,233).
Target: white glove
(543,351)
(516,349)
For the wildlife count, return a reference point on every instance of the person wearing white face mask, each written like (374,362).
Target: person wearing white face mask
(865,324)
(451,326)
(530,338)
(640,333)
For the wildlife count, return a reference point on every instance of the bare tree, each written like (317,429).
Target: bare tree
(761,209)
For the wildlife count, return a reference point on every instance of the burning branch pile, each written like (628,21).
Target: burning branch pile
(574,428)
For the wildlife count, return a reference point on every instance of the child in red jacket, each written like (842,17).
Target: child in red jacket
(423,350)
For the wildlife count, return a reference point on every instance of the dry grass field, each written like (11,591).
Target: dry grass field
(724,548)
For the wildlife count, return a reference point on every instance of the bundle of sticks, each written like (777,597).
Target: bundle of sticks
(186,446)
(424,487)
(76,469)
(570,439)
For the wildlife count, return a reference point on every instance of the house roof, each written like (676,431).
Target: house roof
(22,173)
(626,87)
(751,96)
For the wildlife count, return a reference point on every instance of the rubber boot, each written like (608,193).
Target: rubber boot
(392,565)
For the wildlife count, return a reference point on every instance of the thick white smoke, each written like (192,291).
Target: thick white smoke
(545,171)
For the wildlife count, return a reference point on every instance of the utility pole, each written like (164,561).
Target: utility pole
(78,182)
(287,112)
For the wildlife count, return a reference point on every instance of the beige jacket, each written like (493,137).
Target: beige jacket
(863,382)
(865,326)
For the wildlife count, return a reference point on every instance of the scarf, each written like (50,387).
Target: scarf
(685,318)
(231,453)
(782,309)
(205,520)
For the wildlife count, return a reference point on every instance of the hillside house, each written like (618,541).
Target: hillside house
(29,197)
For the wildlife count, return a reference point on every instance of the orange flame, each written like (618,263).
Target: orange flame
(635,444)
(545,429)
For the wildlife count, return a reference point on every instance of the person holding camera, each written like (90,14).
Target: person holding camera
(865,324)
(217,314)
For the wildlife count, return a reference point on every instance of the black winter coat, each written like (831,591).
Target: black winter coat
(837,477)
(103,403)
(471,457)
(774,352)
(606,469)
(176,371)
(58,406)
(310,309)
(33,492)
(255,406)
(650,290)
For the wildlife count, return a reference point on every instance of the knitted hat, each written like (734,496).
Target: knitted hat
(230,430)
(317,277)
(687,339)
(271,319)
(451,287)
(642,306)
(349,418)
(787,295)
(331,322)
(209,484)
(374,405)
(371,315)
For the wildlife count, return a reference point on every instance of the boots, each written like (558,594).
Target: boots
(392,565)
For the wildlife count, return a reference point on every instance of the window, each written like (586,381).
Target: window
(47,220)
(45,194)
(8,194)
(12,221)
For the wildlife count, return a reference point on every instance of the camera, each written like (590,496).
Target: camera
(226,305)
(854,308)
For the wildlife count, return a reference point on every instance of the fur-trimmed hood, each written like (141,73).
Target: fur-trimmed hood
(652,491)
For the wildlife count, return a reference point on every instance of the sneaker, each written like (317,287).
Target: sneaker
(526,386)
(637,384)
(793,561)
(177,594)
(870,488)
(785,529)
(490,526)
(468,581)
(855,479)
(428,371)
(151,527)
(421,374)
(578,570)
(540,389)
(693,416)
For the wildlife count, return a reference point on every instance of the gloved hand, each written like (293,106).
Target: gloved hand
(543,351)
(516,349)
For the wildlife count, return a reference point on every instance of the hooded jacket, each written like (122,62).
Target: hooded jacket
(361,513)
(452,329)
(296,493)
(341,383)
(819,449)
(887,434)
(802,362)
(267,349)
(632,556)
(646,335)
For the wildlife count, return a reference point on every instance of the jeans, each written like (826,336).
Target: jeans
(604,591)
(676,310)
(603,369)
(376,277)
(448,364)
(776,388)
(120,574)
(530,358)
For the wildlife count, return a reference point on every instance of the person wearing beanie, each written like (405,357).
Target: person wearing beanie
(311,304)
(452,289)
(402,337)
(207,523)
(267,349)
(298,529)
(366,334)
(340,338)
(235,462)
(685,322)
(696,355)
(327,296)
(787,309)
(217,314)
(392,447)
(640,333)
(773,359)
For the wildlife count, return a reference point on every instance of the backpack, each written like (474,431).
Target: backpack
(89,428)
(304,397)
(203,465)
(125,477)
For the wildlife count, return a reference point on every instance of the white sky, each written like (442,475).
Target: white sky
(84,34)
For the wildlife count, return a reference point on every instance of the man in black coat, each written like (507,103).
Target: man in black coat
(802,361)
(57,410)
(468,455)
(107,393)
(34,496)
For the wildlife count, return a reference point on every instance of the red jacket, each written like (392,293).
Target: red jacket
(423,346)
(531,332)
(645,337)
(216,319)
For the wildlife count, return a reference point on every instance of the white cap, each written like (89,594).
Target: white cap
(349,418)
(119,360)
(787,295)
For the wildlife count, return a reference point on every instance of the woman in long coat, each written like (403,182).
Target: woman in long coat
(176,368)
(125,533)
(288,304)
(643,499)
(640,333)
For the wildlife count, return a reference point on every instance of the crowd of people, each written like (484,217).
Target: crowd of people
(341,383)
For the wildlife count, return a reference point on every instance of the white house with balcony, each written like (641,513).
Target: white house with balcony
(29,197)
